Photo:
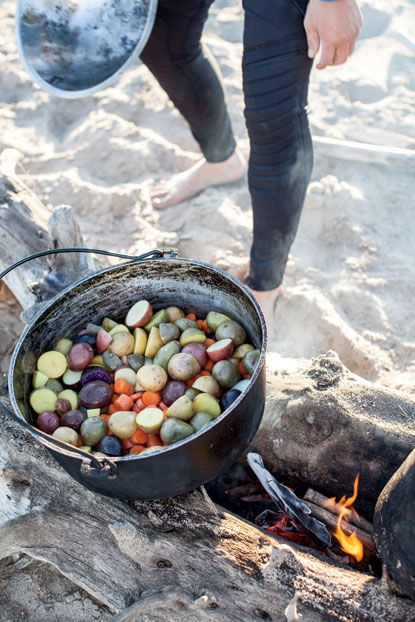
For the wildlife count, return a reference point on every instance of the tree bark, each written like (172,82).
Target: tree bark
(324,425)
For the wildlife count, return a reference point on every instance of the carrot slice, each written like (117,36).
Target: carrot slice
(190,382)
(205,372)
(191,316)
(112,409)
(127,443)
(124,402)
(106,417)
(209,365)
(139,437)
(121,386)
(163,406)
(135,396)
(115,397)
(209,342)
(153,439)
(151,398)
(137,449)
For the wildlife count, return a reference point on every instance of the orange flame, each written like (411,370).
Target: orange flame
(349,543)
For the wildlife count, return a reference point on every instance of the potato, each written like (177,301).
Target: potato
(207,384)
(242,350)
(174,430)
(215,319)
(165,353)
(198,350)
(181,409)
(241,385)
(139,314)
(63,346)
(53,364)
(80,356)
(173,314)
(157,318)
(184,323)
(191,393)
(95,394)
(97,360)
(206,403)
(183,366)
(150,450)
(229,329)
(250,360)
(140,341)
(122,424)
(108,324)
(172,391)
(151,377)
(169,332)
(118,328)
(54,385)
(135,361)
(222,349)
(104,340)
(71,396)
(226,373)
(192,335)
(39,380)
(127,374)
(200,421)
(42,400)
(123,343)
(111,360)
(150,420)
(66,435)
(154,343)
(71,378)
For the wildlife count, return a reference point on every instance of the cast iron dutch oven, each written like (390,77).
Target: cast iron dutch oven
(163,280)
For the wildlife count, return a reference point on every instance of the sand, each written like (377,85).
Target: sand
(350,281)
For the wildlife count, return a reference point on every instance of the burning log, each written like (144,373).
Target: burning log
(394,526)
(317,499)
(324,424)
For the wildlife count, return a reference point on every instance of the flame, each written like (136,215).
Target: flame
(349,543)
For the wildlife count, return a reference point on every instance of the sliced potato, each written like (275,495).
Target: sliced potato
(97,360)
(127,374)
(119,328)
(93,412)
(165,353)
(206,403)
(123,343)
(39,380)
(150,420)
(140,341)
(71,396)
(192,335)
(139,314)
(43,399)
(242,350)
(173,314)
(108,324)
(150,450)
(53,364)
(71,377)
(154,343)
(156,320)
(63,346)
(66,435)
(181,408)
(215,319)
(151,377)
(207,384)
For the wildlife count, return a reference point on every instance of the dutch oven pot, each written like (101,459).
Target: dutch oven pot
(163,280)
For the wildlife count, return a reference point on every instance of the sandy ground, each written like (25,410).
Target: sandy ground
(350,280)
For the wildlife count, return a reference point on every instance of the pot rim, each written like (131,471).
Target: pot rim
(46,438)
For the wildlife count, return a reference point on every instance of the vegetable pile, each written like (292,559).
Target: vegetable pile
(137,387)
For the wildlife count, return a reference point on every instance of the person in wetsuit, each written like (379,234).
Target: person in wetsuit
(281,37)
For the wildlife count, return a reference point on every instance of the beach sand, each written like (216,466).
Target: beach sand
(350,281)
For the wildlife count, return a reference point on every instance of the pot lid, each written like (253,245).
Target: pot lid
(73,48)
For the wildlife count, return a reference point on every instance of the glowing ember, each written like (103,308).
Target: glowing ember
(349,543)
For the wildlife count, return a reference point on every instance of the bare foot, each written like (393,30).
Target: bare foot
(198,177)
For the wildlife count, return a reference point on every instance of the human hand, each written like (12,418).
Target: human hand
(335,27)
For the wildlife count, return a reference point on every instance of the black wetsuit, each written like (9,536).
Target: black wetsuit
(276,70)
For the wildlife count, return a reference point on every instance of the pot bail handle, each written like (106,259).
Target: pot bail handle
(91,466)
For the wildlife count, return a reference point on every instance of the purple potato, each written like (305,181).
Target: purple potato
(95,373)
(110,445)
(198,350)
(48,422)
(96,394)
(73,419)
(80,356)
(172,391)
(62,406)
(87,338)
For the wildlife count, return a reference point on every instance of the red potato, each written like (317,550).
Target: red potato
(220,350)
(139,314)
(198,350)
(80,356)
(104,340)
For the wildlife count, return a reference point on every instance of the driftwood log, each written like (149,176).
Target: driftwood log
(180,559)
(324,425)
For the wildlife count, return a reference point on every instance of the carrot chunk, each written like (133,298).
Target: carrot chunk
(151,398)
(241,368)
(127,443)
(123,387)
(209,365)
(124,402)
(139,405)
(191,316)
(135,396)
(209,342)
(112,409)
(137,449)
(153,439)
(139,437)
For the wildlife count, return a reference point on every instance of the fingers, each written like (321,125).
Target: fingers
(327,56)
(313,42)
(343,52)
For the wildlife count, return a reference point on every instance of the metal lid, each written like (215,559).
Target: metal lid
(73,48)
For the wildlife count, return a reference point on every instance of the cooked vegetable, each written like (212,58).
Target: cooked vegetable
(73,419)
(192,335)
(226,374)
(54,385)
(111,360)
(53,364)
(250,361)
(242,350)
(42,400)
(200,421)
(62,406)
(95,373)
(228,398)
(71,378)
(174,430)
(39,380)
(122,424)
(207,384)
(151,398)
(108,324)
(156,320)
(96,394)
(154,343)
(139,314)
(191,393)
(184,323)
(215,319)
(80,356)
(172,391)
(150,420)
(127,374)
(151,450)
(71,396)
(66,435)
(241,385)
(135,361)
(183,366)
(122,343)
(198,350)
(48,422)
(103,341)
(93,412)
(181,408)
(206,403)
(119,328)
(110,445)
(165,353)
(229,329)
(222,349)
(173,314)
(152,377)
(92,430)
(91,339)
(63,346)
(168,332)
